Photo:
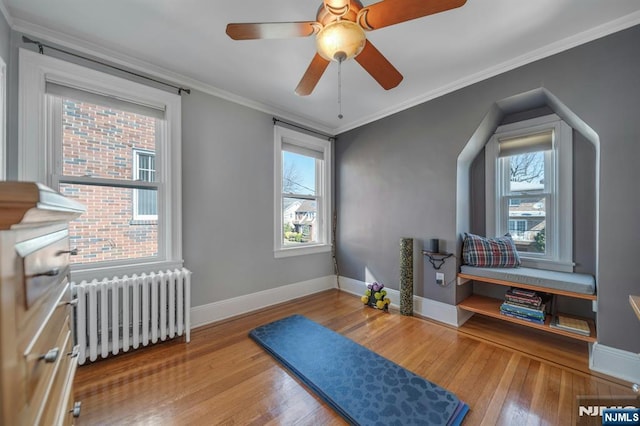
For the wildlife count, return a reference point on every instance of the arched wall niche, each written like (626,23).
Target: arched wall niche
(470,172)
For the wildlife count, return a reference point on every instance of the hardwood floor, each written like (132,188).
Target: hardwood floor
(223,377)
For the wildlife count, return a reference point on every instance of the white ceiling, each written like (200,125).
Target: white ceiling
(185,41)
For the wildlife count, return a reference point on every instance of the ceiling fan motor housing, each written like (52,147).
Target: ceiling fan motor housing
(340,40)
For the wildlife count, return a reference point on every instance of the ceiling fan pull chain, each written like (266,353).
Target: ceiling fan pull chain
(340,90)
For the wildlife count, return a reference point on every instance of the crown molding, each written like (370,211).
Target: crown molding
(584,37)
(146,68)
(5,12)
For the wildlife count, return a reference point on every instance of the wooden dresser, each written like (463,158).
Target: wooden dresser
(36,343)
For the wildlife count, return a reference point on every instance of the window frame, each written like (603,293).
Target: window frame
(558,191)
(323,195)
(39,155)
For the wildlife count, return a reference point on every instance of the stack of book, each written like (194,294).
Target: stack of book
(523,304)
(573,325)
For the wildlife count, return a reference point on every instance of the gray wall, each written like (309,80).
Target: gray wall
(397,176)
(228,212)
(227,189)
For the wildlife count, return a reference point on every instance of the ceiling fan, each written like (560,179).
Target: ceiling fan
(340,34)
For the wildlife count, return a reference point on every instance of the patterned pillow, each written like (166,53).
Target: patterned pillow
(499,252)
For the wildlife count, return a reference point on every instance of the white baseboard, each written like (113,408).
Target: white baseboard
(615,362)
(223,309)
(424,307)
(463,316)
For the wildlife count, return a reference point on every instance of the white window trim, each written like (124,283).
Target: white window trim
(36,153)
(325,196)
(561,221)
(136,154)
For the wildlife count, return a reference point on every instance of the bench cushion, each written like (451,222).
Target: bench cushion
(567,281)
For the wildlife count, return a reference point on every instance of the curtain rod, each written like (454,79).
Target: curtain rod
(41,47)
(277,120)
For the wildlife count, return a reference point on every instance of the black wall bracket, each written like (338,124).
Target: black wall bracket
(436,259)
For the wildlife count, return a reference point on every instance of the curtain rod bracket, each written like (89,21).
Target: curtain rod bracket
(37,43)
(277,120)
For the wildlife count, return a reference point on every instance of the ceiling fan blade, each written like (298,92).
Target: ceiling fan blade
(390,12)
(259,30)
(379,67)
(312,75)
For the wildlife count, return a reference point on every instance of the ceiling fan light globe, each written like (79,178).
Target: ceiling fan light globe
(340,40)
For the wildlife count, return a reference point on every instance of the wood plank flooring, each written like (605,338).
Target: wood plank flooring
(223,377)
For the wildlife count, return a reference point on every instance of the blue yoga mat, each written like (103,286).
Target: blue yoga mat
(362,386)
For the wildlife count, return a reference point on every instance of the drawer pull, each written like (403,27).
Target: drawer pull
(73,302)
(75,352)
(50,273)
(75,411)
(50,356)
(72,252)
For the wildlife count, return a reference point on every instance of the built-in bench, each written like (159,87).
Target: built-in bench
(578,286)
(551,280)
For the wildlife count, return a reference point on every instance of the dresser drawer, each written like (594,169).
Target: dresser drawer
(45,263)
(59,402)
(46,350)
(43,377)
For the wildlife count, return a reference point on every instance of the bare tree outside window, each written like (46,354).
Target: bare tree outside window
(528,167)
(291,178)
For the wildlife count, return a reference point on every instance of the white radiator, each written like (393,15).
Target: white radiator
(129,312)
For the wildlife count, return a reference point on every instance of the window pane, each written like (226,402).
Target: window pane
(527,222)
(106,231)
(143,162)
(298,174)
(146,166)
(147,202)
(100,141)
(300,222)
(526,172)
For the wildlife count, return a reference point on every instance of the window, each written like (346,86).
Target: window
(529,177)
(302,193)
(517,229)
(145,201)
(113,145)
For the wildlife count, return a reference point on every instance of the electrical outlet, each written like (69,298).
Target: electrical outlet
(440,278)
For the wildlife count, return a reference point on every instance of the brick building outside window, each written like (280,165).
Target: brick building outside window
(104,142)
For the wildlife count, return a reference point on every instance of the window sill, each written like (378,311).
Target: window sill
(143,222)
(301,251)
(546,264)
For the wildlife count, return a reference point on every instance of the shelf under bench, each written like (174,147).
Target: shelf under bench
(490,306)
